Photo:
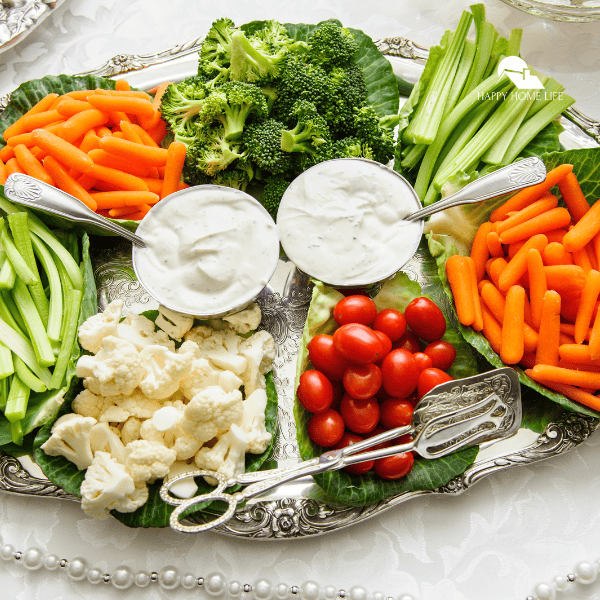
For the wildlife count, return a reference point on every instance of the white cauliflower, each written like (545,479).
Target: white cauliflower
(114,414)
(148,461)
(175,324)
(186,488)
(130,430)
(137,404)
(104,439)
(253,422)
(219,347)
(116,368)
(212,412)
(71,438)
(164,370)
(227,456)
(95,328)
(139,330)
(246,320)
(203,375)
(259,351)
(88,404)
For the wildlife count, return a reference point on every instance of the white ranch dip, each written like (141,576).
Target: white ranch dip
(209,249)
(341,222)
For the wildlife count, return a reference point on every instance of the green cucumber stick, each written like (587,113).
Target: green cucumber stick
(6,362)
(7,275)
(19,227)
(18,397)
(33,324)
(72,307)
(428,116)
(16,433)
(18,262)
(25,374)
(462,73)
(530,128)
(10,313)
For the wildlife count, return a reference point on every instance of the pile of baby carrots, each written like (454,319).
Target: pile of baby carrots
(531,285)
(101,146)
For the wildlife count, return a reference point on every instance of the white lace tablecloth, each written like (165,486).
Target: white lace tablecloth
(495,541)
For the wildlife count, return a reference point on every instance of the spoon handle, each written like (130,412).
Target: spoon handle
(520,174)
(28,191)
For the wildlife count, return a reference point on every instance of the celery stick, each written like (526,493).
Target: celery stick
(33,324)
(27,377)
(413,155)
(72,306)
(552,89)
(7,275)
(16,433)
(10,313)
(55,315)
(17,261)
(6,362)
(20,231)
(514,42)
(462,73)
(4,387)
(18,397)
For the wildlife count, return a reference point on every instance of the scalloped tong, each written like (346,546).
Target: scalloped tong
(454,415)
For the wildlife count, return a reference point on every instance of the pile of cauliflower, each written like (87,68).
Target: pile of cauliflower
(152,411)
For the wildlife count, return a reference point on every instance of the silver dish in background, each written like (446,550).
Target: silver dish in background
(573,11)
(300,508)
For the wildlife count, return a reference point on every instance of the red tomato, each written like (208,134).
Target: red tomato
(442,354)
(395,412)
(357,343)
(362,381)
(326,428)
(400,373)
(338,393)
(395,466)
(391,322)
(429,378)
(426,319)
(355,309)
(315,391)
(324,357)
(409,341)
(423,360)
(360,416)
(348,439)
(386,345)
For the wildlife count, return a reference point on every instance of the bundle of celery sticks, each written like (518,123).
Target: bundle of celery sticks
(465,116)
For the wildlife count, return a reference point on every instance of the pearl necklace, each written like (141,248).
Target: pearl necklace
(215,584)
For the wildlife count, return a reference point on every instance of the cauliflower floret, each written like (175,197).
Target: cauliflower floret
(130,430)
(164,371)
(107,486)
(104,438)
(116,369)
(253,422)
(219,347)
(88,404)
(114,414)
(139,330)
(137,404)
(212,412)
(71,438)
(186,488)
(259,350)
(201,376)
(95,328)
(246,320)
(175,437)
(148,461)
(227,456)
(175,324)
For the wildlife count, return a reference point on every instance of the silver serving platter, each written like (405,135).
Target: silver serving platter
(300,508)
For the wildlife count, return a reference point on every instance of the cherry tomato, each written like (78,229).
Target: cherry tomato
(338,393)
(348,439)
(386,345)
(442,354)
(357,343)
(355,309)
(395,412)
(409,341)
(326,428)
(395,466)
(429,378)
(362,381)
(425,319)
(360,416)
(315,391)
(423,360)
(325,358)
(391,322)
(400,373)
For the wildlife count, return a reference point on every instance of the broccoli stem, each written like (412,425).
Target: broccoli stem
(235,120)
(240,44)
(16,403)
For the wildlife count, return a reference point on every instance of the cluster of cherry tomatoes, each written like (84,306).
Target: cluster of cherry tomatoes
(368,376)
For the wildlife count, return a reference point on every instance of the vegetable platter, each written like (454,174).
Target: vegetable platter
(303,508)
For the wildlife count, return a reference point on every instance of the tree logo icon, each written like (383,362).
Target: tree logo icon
(518,72)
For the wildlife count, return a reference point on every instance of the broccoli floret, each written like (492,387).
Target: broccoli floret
(215,52)
(263,142)
(372,131)
(310,132)
(276,36)
(211,152)
(349,91)
(181,104)
(231,104)
(272,193)
(237,176)
(332,45)
(351,147)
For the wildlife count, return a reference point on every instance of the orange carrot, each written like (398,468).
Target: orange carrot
(572,196)
(126,104)
(144,136)
(565,279)
(479,249)
(492,330)
(122,84)
(494,267)
(30,122)
(517,266)
(513,346)
(555,254)
(530,194)
(477,324)
(589,297)
(570,391)
(3,173)
(122,180)
(594,346)
(68,106)
(80,123)
(64,152)
(79,94)
(528,360)
(90,141)
(7,153)
(156,157)
(121,199)
(547,351)
(579,367)
(577,353)
(174,167)
(537,284)
(31,165)
(41,106)
(582,259)
(459,278)
(569,330)
(122,212)
(584,230)
(494,246)
(12,166)
(104,131)
(158,93)
(101,157)
(66,183)
(124,93)
(547,221)
(591,252)
(546,202)
(130,132)
(554,374)
(158,133)
(556,235)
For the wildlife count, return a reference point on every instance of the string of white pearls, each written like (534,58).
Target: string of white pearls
(169,578)
(584,572)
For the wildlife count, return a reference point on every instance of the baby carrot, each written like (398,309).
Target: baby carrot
(587,304)
(7,153)
(513,347)
(479,249)
(582,259)
(158,132)
(530,194)
(537,285)
(3,173)
(517,266)
(122,212)
(477,324)
(41,106)
(121,199)
(101,157)
(80,123)
(64,152)
(573,196)
(145,137)
(555,254)
(12,166)
(547,221)
(30,122)
(546,202)
(570,391)
(577,353)
(158,93)
(494,245)
(547,351)
(584,230)
(491,330)
(127,93)
(102,131)
(79,94)
(565,279)
(66,183)
(120,179)
(127,104)
(494,267)
(528,360)
(68,106)
(174,167)
(89,142)
(156,157)
(130,132)
(594,347)
(122,84)
(552,374)
(459,278)
(31,165)
(591,252)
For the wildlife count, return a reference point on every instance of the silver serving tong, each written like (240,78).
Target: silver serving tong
(454,415)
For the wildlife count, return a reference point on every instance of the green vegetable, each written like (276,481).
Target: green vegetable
(310,131)
(16,404)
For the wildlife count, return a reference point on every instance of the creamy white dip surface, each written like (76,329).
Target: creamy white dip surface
(209,249)
(341,222)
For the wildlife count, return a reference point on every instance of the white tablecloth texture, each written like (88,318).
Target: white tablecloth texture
(494,542)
